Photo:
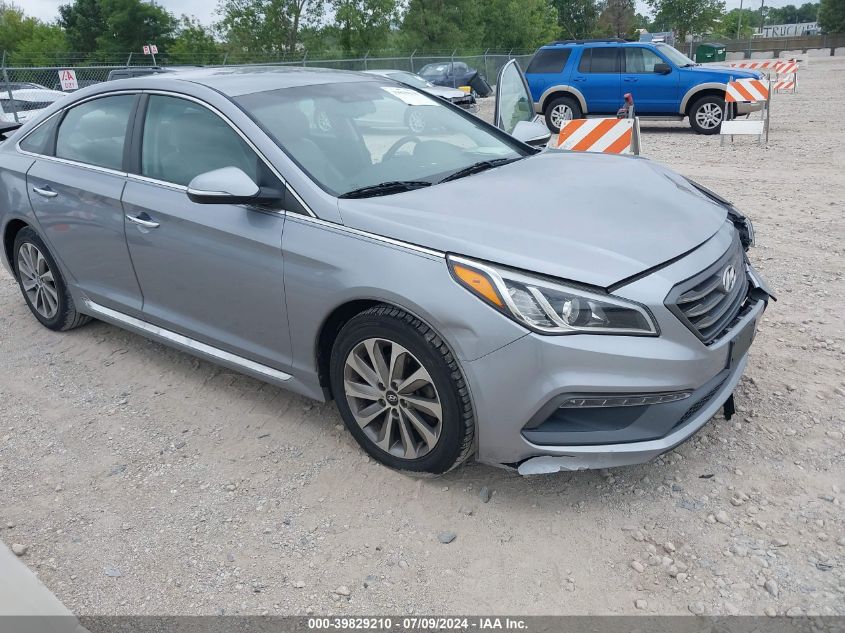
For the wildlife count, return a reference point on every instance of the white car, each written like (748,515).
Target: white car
(26,102)
(453,95)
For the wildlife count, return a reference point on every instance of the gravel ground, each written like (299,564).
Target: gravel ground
(141,481)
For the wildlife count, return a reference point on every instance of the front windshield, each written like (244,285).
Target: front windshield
(411,79)
(674,55)
(347,136)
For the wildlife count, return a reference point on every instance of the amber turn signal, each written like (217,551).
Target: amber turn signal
(478,283)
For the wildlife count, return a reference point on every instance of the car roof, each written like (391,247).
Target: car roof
(234,81)
(594,43)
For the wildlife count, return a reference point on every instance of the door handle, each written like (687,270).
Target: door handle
(45,191)
(580,79)
(142,220)
(631,79)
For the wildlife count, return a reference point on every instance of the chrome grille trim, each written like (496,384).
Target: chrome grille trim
(701,302)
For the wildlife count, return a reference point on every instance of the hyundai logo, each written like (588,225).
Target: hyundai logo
(728,278)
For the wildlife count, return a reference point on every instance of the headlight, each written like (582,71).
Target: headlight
(550,307)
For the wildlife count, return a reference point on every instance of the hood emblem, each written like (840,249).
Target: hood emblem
(728,278)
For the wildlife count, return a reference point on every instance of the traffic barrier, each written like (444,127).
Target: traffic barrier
(746,91)
(768,64)
(785,86)
(609,136)
(786,76)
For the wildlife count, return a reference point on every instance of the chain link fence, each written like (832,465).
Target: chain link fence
(27,88)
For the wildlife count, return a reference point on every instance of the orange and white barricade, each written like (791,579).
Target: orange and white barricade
(747,91)
(609,136)
(768,64)
(786,79)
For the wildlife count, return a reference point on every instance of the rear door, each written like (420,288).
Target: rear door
(546,70)
(75,187)
(654,93)
(598,77)
(212,272)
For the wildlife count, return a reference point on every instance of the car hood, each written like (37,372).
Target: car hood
(592,218)
(725,71)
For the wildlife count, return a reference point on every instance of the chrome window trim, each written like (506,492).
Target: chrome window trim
(185,341)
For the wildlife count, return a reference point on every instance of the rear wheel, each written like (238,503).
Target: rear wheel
(42,284)
(560,110)
(400,392)
(706,114)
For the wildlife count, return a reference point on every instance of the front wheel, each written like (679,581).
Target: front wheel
(401,393)
(706,114)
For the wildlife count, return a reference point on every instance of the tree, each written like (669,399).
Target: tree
(577,18)
(83,23)
(442,25)
(746,21)
(518,24)
(267,26)
(687,16)
(132,23)
(194,44)
(832,16)
(363,25)
(42,46)
(618,17)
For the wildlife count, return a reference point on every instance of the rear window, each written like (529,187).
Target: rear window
(549,60)
(600,60)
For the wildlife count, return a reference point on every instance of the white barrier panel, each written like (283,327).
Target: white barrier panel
(609,136)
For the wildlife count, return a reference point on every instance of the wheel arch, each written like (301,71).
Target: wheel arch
(701,90)
(10,232)
(562,90)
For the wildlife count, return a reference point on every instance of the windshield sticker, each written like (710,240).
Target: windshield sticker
(411,97)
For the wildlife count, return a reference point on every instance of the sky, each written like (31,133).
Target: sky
(48,10)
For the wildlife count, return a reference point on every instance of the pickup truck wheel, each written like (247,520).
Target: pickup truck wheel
(706,114)
(401,393)
(42,284)
(560,110)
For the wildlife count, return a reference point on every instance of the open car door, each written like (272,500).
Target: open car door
(514,112)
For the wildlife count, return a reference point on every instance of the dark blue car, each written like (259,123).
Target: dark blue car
(572,79)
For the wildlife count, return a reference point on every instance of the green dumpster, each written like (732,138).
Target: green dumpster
(710,53)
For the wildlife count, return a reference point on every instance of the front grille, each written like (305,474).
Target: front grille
(702,302)
(698,406)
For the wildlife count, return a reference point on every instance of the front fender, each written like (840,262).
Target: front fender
(696,89)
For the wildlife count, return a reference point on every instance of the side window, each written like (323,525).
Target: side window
(39,141)
(640,60)
(549,60)
(600,60)
(94,132)
(183,139)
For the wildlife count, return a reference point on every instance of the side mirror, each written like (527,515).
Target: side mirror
(534,133)
(229,185)
(662,69)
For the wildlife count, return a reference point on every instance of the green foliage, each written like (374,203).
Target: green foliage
(518,24)
(618,18)
(363,25)
(790,14)
(132,23)
(266,26)
(687,16)
(746,21)
(442,25)
(194,44)
(832,16)
(83,22)
(577,18)
(41,46)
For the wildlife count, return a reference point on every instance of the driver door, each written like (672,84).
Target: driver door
(211,272)
(514,113)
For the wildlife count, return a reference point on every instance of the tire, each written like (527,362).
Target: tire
(701,114)
(562,108)
(42,285)
(393,429)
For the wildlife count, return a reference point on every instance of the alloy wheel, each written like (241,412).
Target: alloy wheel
(560,114)
(709,116)
(37,280)
(393,398)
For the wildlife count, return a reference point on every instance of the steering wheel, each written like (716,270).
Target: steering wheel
(398,145)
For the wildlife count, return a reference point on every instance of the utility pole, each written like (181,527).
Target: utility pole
(739,21)
(762,19)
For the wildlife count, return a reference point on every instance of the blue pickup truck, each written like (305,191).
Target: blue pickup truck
(576,78)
